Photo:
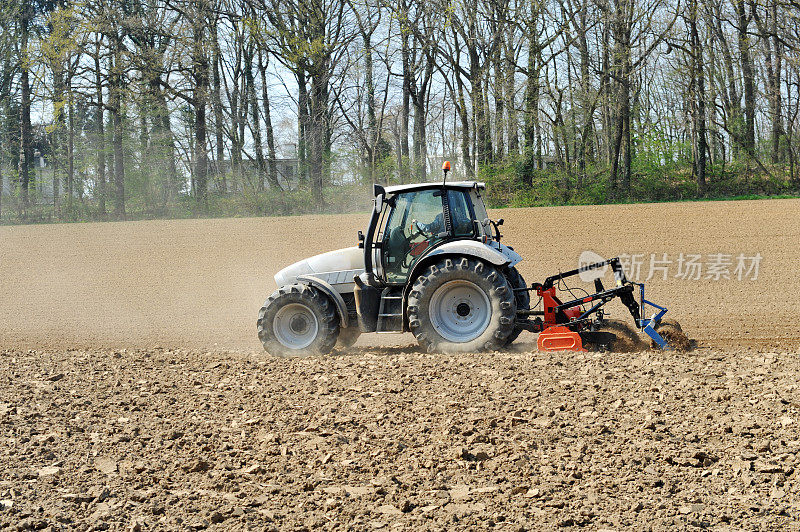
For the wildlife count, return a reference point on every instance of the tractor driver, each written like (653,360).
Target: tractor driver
(462,224)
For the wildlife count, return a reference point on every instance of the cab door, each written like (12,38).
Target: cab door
(415,224)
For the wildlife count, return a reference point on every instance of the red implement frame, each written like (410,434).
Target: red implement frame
(566,326)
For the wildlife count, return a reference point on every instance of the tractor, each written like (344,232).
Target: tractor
(431,262)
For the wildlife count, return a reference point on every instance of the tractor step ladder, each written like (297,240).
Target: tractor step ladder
(390,312)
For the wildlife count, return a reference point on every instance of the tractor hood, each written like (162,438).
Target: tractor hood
(334,267)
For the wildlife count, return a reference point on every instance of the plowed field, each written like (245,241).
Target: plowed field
(134,393)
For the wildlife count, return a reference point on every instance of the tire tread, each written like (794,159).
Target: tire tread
(427,337)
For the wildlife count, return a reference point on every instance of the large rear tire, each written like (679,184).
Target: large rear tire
(461,305)
(298,320)
(522,297)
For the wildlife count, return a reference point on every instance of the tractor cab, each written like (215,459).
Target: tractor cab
(411,221)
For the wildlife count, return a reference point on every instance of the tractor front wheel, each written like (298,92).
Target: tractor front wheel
(461,305)
(298,320)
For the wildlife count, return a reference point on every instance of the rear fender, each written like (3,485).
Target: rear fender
(467,248)
(328,290)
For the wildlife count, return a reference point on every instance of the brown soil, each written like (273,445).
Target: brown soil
(134,393)
(176,439)
(199,283)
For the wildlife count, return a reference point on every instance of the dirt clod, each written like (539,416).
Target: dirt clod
(675,337)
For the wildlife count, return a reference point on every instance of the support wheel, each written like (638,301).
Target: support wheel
(523,298)
(461,305)
(626,339)
(671,331)
(298,320)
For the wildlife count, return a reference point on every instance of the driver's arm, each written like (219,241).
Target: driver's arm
(433,228)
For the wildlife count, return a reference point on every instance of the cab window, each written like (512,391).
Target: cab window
(460,213)
(480,212)
(415,224)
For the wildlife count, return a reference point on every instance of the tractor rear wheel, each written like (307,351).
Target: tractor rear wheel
(523,298)
(298,320)
(461,305)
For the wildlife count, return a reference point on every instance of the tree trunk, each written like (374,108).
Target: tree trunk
(477,94)
(587,103)
(627,151)
(161,144)
(200,97)
(461,109)
(773,62)
(730,94)
(420,142)
(101,138)
(532,94)
(255,122)
(70,149)
(698,81)
(115,92)
(487,117)
(319,100)
(146,159)
(302,121)
(510,90)
(217,103)
(499,101)
(372,121)
(319,134)
(605,91)
(405,110)
(622,143)
(748,79)
(535,111)
(716,148)
(777,120)
(5,101)
(26,140)
(235,126)
(419,99)
(272,168)
(58,135)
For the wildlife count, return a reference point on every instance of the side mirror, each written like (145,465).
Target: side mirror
(500,221)
(378,203)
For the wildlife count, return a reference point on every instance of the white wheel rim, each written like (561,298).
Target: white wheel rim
(295,326)
(460,311)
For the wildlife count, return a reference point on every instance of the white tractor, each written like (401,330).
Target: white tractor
(431,263)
